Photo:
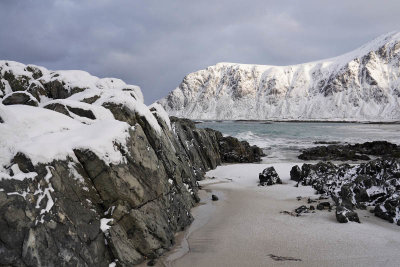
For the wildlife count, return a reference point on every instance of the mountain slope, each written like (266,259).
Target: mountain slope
(362,85)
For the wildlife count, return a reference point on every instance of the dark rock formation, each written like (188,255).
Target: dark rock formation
(22,98)
(351,152)
(269,177)
(214,198)
(207,148)
(232,150)
(376,183)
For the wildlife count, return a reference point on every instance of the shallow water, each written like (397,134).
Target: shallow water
(282,141)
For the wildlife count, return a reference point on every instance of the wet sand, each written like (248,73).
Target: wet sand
(245,228)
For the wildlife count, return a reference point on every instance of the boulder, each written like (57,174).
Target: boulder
(389,209)
(344,215)
(269,177)
(295,173)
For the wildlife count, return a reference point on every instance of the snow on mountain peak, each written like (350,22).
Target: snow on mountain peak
(362,85)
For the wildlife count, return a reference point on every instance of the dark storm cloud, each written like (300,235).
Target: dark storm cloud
(155,43)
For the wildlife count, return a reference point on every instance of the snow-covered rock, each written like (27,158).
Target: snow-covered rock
(363,85)
(73,147)
(89,175)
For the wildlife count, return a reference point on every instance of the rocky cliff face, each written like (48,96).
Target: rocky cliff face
(362,85)
(89,175)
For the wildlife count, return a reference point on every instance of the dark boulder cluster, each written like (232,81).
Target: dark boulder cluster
(373,184)
(269,177)
(351,152)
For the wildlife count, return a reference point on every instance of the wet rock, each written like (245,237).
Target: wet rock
(269,177)
(21,98)
(351,152)
(214,198)
(344,215)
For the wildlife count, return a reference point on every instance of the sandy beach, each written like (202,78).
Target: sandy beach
(246,227)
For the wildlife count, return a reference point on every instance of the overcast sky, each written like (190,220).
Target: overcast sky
(154,44)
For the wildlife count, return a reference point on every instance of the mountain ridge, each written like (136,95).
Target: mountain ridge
(362,85)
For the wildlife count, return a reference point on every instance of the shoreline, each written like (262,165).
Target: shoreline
(246,227)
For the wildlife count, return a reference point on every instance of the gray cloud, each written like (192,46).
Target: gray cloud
(155,43)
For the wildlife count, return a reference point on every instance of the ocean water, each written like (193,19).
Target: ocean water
(283,141)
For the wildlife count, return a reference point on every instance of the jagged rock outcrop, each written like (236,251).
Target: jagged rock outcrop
(362,85)
(375,184)
(351,152)
(208,148)
(92,175)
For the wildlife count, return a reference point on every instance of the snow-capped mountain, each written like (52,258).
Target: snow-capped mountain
(362,85)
